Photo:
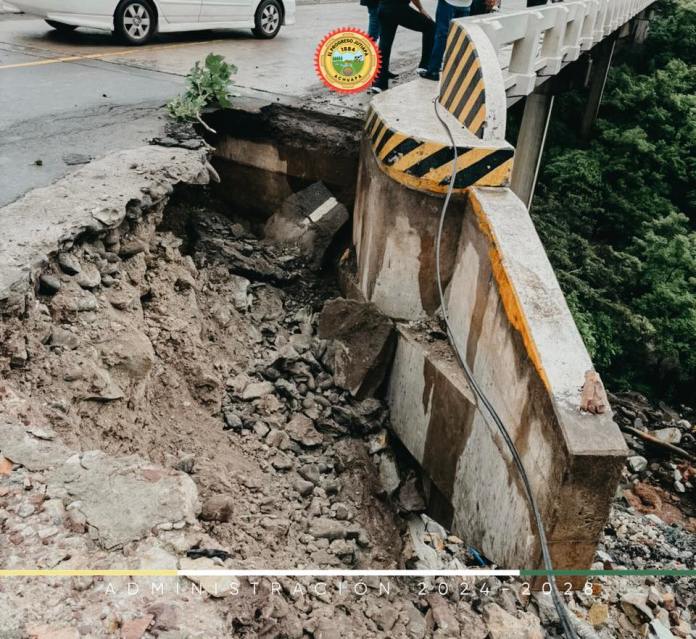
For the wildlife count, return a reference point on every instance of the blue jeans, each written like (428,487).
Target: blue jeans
(444,14)
(373,22)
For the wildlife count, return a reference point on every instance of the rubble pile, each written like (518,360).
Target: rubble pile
(178,393)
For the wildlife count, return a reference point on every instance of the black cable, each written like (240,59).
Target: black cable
(490,412)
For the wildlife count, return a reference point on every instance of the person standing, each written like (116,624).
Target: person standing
(372,18)
(447,10)
(392,15)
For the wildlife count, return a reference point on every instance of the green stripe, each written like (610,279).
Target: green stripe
(610,573)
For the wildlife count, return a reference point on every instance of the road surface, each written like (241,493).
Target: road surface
(82,94)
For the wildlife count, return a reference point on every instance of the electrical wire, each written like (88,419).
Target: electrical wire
(482,400)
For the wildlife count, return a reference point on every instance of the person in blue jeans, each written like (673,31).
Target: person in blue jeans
(372,18)
(447,10)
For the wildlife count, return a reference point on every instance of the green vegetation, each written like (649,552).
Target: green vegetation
(618,214)
(207,84)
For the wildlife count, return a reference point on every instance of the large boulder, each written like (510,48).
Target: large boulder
(123,499)
(361,344)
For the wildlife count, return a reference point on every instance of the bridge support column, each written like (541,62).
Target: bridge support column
(602,55)
(530,142)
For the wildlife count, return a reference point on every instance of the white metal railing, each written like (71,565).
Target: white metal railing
(535,44)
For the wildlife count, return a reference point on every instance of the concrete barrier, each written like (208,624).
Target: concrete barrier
(513,325)
(509,318)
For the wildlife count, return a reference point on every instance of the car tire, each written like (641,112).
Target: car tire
(135,21)
(268,18)
(61,26)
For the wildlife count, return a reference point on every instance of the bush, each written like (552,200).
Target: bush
(618,215)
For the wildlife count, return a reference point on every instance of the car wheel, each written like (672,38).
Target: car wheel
(268,17)
(61,26)
(135,21)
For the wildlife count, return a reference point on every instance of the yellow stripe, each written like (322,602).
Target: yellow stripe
(471,101)
(507,292)
(378,131)
(97,56)
(413,157)
(500,176)
(464,160)
(65,572)
(451,100)
(378,139)
(478,119)
(468,51)
(370,121)
(374,126)
(393,142)
(456,35)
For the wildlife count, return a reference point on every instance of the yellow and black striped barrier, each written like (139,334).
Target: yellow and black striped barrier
(426,165)
(462,86)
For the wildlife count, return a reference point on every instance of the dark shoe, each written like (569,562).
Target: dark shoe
(373,90)
(426,75)
(392,76)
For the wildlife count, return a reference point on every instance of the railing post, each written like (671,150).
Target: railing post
(601,62)
(531,140)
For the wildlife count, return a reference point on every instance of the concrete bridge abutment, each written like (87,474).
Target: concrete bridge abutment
(509,318)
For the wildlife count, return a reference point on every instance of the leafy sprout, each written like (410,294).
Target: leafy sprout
(206,84)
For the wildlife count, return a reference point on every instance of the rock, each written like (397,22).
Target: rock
(304,487)
(186,464)
(637,464)
(635,605)
(20,446)
(256,390)
(5,466)
(136,628)
(309,220)
(668,435)
(410,497)
(416,626)
(232,420)
(64,339)
(240,292)
(598,613)
(132,247)
(679,487)
(281,462)
(17,350)
(217,508)
(301,429)
(49,284)
(443,616)
(144,495)
(389,474)
(89,277)
(51,632)
(361,344)
(322,528)
(73,159)
(660,631)
(69,263)
(216,586)
(378,442)
(503,625)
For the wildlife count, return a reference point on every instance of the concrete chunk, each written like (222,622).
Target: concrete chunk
(361,344)
(308,219)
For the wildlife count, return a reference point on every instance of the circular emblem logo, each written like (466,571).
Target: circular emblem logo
(347,60)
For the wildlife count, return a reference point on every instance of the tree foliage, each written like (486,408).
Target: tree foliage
(618,214)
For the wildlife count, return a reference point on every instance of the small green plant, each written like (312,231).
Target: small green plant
(206,84)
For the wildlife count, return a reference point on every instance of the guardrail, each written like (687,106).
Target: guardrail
(535,44)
